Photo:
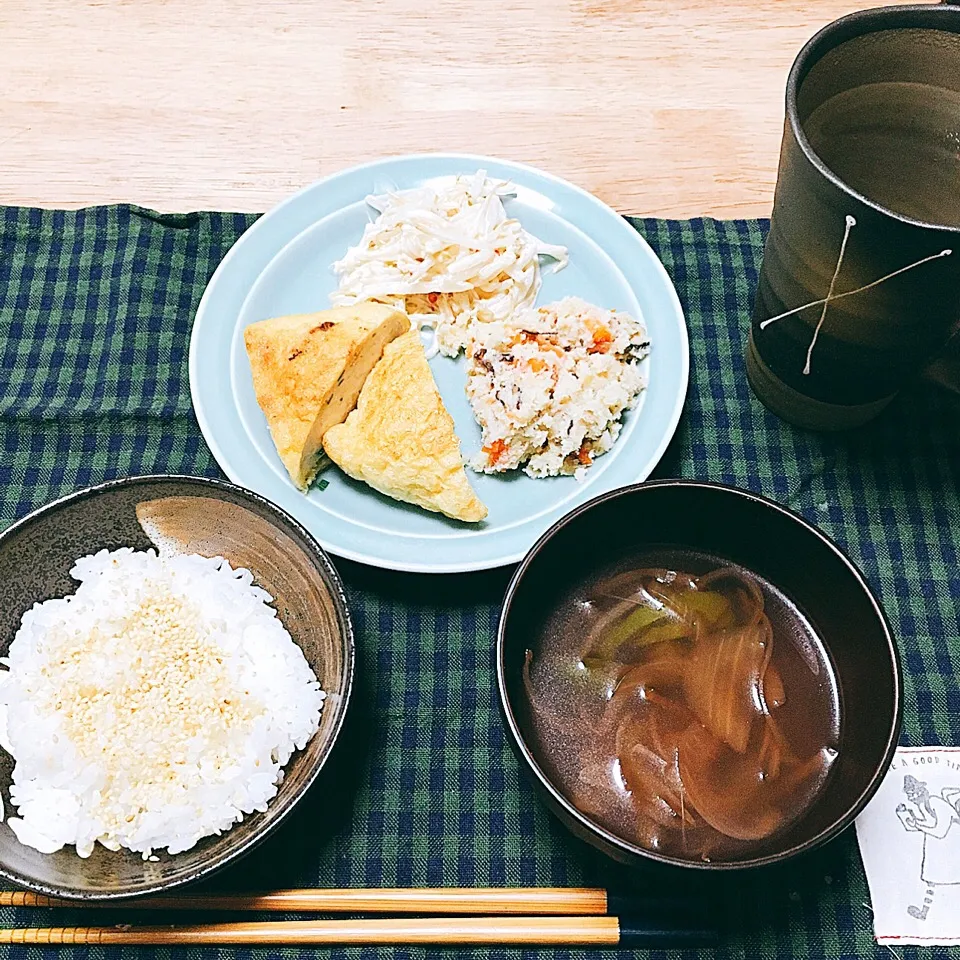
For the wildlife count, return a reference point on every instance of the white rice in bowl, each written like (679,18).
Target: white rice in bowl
(154,706)
(549,387)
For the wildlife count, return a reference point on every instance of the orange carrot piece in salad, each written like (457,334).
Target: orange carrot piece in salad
(602,338)
(495,450)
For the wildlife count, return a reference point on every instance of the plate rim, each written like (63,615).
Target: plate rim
(467,566)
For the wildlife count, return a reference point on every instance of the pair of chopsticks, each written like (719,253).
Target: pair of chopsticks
(529,916)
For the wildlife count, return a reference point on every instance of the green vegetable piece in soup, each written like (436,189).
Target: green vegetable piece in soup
(627,628)
(711,609)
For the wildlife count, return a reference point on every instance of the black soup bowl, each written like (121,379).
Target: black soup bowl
(779,547)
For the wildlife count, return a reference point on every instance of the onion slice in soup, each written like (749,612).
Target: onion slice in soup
(745,797)
(726,788)
(649,768)
(722,681)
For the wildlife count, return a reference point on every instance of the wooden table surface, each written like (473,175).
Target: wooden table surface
(660,108)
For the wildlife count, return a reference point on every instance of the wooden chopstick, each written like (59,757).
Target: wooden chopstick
(462,931)
(573,901)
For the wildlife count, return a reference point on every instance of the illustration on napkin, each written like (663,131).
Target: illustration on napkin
(937,817)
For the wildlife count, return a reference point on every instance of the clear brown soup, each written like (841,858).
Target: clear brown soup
(685,705)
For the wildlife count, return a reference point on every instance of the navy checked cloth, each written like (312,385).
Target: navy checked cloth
(95,314)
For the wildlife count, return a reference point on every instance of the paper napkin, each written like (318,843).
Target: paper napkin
(909,837)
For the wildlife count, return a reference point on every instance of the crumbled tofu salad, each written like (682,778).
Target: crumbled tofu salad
(549,387)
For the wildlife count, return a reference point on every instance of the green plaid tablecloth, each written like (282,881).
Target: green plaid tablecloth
(95,315)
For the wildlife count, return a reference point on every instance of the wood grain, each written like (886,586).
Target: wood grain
(660,108)
(447,900)
(585,931)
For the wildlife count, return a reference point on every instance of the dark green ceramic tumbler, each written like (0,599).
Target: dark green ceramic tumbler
(865,233)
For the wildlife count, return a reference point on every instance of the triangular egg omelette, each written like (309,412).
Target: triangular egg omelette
(308,371)
(400,439)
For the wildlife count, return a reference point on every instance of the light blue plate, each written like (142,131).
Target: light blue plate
(282,265)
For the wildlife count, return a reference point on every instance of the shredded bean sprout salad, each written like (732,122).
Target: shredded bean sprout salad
(449,255)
